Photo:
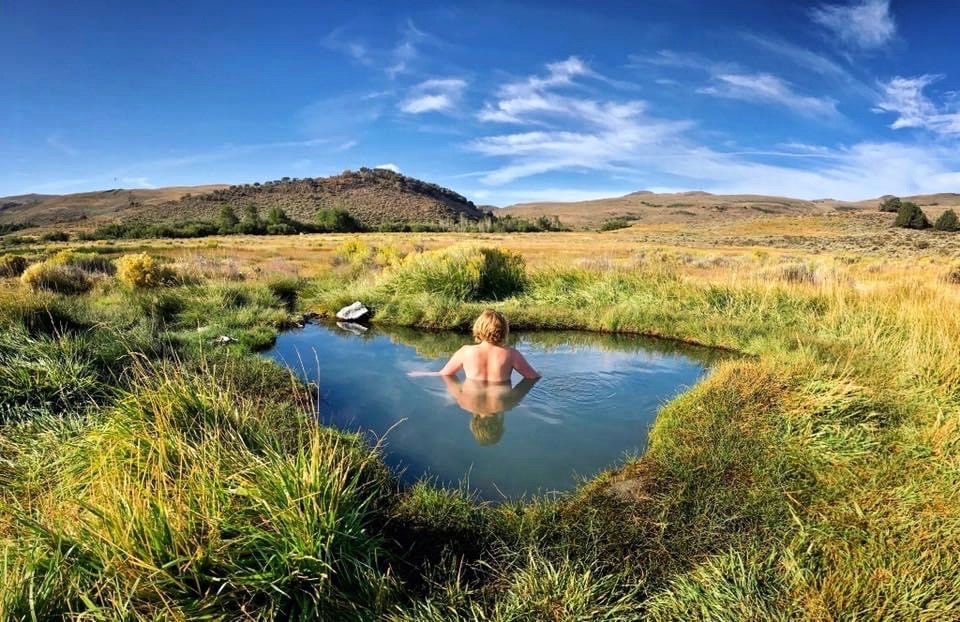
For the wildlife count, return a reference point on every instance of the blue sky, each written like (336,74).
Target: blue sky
(502,101)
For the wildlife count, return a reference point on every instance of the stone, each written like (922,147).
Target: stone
(353,313)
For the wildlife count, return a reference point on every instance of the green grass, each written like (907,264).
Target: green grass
(149,473)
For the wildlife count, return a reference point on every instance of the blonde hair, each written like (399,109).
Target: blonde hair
(492,327)
(487,429)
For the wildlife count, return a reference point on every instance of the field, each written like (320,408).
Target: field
(147,472)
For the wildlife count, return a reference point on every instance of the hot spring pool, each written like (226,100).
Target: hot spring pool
(595,403)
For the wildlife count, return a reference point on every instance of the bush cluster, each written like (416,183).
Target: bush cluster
(327,220)
(910,216)
(460,273)
(54,276)
(141,271)
(614,223)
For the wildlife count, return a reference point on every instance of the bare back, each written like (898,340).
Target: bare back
(489,363)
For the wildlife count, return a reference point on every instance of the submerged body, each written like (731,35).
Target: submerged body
(488,362)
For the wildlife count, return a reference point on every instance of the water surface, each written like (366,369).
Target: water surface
(595,403)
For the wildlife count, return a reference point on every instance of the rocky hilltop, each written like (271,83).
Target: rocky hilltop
(372,196)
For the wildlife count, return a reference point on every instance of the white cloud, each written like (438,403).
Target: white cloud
(558,132)
(390,166)
(905,98)
(437,95)
(866,24)
(767,88)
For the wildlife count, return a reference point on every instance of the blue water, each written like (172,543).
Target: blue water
(595,403)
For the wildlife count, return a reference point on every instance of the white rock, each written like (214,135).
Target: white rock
(351,313)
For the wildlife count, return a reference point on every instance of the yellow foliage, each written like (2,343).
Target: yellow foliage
(56,277)
(140,271)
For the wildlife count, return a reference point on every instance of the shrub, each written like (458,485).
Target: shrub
(910,216)
(947,221)
(143,271)
(614,223)
(12,265)
(280,229)
(953,275)
(890,204)
(352,252)
(56,277)
(798,273)
(88,262)
(55,236)
(336,221)
(460,273)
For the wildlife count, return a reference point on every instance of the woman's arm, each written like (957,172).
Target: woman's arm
(454,365)
(523,367)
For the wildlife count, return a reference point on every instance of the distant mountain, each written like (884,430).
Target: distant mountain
(648,207)
(375,196)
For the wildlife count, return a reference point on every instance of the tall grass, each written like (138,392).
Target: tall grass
(189,500)
(814,478)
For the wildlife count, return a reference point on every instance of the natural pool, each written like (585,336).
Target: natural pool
(595,403)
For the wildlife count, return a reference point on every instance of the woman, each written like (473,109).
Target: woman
(490,360)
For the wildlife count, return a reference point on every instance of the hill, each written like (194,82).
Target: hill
(83,207)
(655,208)
(372,196)
(650,207)
(375,196)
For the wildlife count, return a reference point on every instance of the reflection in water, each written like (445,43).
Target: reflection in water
(597,399)
(487,402)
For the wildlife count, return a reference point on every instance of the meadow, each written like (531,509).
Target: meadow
(149,472)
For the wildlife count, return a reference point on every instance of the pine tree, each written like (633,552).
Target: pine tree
(947,221)
(910,216)
(890,204)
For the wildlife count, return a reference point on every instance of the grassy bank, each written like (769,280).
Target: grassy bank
(149,471)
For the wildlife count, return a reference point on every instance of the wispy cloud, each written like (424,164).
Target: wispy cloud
(604,133)
(437,95)
(139,174)
(770,89)
(57,142)
(338,41)
(406,51)
(390,166)
(865,25)
(343,114)
(559,131)
(732,81)
(905,98)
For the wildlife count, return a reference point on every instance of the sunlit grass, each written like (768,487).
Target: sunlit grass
(815,477)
